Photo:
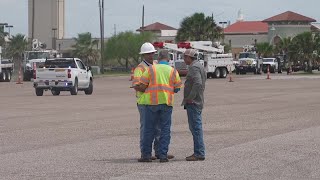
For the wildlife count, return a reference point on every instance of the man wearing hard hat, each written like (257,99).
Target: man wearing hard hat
(147,51)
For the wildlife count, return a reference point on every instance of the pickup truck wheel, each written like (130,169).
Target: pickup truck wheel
(39,92)
(217,73)
(74,90)
(3,76)
(223,73)
(55,92)
(90,89)
(8,78)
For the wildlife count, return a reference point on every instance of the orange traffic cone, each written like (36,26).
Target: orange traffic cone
(132,74)
(268,72)
(19,77)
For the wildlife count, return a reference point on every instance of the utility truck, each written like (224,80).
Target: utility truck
(216,62)
(62,74)
(249,61)
(38,55)
(6,68)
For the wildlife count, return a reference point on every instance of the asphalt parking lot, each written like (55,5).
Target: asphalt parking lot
(253,128)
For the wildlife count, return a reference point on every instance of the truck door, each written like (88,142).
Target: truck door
(83,74)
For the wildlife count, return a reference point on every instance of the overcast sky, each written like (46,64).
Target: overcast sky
(83,15)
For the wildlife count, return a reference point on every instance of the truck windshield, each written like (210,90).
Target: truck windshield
(60,63)
(267,60)
(38,55)
(247,55)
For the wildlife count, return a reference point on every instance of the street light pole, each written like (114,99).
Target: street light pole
(9,28)
(101,13)
(223,23)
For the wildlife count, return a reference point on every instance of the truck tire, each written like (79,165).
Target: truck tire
(39,92)
(74,89)
(217,73)
(3,76)
(25,77)
(224,73)
(8,76)
(90,89)
(55,92)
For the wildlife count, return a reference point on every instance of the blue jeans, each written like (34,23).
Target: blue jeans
(195,126)
(141,109)
(159,115)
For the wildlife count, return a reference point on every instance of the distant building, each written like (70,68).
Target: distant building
(287,24)
(271,30)
(163,32)
(46,21)
(315,27)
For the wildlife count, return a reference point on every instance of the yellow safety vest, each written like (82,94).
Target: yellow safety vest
(161,80)
(137,73)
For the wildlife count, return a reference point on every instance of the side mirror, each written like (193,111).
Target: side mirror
(88,68)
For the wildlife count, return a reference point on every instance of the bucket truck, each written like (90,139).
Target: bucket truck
(38,55)
(6,68)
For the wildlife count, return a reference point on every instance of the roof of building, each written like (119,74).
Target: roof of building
(157,27)
(289,16)
(245,27)
(315,27)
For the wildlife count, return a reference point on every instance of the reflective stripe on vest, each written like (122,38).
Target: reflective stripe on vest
(155,88)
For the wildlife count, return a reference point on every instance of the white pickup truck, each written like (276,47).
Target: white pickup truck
(62,74)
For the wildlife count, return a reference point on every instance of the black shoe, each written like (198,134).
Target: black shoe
(144,160)
(164,160)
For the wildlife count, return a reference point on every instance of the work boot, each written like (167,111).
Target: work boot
(169,156)
(194,158)
(144,159)
(164,160)
(153,158)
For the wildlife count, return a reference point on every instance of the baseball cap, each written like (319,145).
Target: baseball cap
(190,52)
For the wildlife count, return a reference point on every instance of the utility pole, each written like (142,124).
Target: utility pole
(33,17)
(212,28)
(101,12)
(142,28)
(115,30)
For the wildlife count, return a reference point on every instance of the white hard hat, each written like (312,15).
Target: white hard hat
(147,48)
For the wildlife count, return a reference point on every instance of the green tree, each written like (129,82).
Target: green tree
(264,49)
(304,47)
(86,48)
(198,27)
(125,47)
(16,47)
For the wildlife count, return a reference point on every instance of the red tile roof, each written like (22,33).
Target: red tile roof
(244,27)
(157,27)
(289,16)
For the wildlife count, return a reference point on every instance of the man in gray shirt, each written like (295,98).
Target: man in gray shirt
(193,102)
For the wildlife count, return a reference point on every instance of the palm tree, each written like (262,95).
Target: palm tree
(86,48)
(16,47)
(264,49)
(305,46)
(198,27)
(283,48)
(2,36)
